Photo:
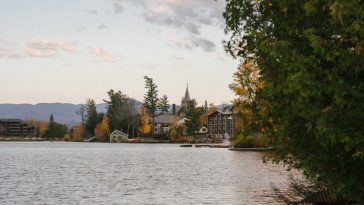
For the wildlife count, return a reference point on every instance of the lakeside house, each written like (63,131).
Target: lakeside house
(16,127)
(118,136)
(220,124)
(163,122)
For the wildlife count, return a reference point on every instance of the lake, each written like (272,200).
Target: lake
(105,173)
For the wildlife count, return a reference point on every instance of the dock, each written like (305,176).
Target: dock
(251,149)
(206,145)
(185,145)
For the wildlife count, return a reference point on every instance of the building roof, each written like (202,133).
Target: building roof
(166,119)
(11,120)
(118,133)
(222,112)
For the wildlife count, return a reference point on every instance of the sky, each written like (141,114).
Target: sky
(71,50)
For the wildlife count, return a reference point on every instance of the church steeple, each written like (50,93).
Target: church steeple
(186,98)
(187,95)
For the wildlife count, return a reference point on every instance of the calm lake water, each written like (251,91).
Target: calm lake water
(104,173)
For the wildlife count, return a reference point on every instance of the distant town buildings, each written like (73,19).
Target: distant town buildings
(219,123)
(163,122)
(16,127)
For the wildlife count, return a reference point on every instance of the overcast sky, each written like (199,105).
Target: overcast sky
(71,50)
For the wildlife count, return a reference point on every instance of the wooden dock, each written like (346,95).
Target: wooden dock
(185,145)
(206,145)
(251,149)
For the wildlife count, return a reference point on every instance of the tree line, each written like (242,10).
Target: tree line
(301,85)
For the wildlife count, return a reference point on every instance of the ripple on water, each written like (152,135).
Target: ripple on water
(97,173)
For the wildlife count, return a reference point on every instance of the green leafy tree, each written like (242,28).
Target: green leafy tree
(151,98)
(193,115)
(163,104)
(311,55)
(121,111)
(92,117)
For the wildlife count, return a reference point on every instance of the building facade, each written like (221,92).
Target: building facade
(16,127)
(220,125)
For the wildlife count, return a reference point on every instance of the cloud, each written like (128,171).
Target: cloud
(118,6)
(102,26)
(8,54)
(94,12)
(102,53)
(45,48)
(194,43)
(189,15)
(206,45)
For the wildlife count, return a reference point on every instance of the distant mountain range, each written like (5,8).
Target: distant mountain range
(62,112)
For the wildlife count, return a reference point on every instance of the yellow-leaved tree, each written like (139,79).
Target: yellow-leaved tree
(78,133)
(246,85)
(145,121)
(102,130)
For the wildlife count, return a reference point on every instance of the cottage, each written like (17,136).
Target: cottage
(118,136)
(162,123)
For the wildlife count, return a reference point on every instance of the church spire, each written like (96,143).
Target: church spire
(187,95)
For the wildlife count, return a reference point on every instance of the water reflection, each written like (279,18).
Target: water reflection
(95,173)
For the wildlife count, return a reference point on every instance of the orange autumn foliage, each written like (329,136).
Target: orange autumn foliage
(102,130)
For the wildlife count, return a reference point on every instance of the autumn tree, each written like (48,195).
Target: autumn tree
(145,127)
(102,130)
(246,85)
(42,127)
(78,132)
(151,98)
(163,104)
(310,56)
(207,110)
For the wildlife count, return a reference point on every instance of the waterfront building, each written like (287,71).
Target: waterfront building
(220,124)
(16,127)
(118,136)
(163,122)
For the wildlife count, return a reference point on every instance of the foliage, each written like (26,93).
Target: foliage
(310,56)
(121,111)
(246,85)
(66,137)
(206,112)
(55,130)
(193,115)
(151,98)
(253,141)
(102,130)
(92,117)
(172,134)
(163,104)
(78,133)
(144,121)
(39,125)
